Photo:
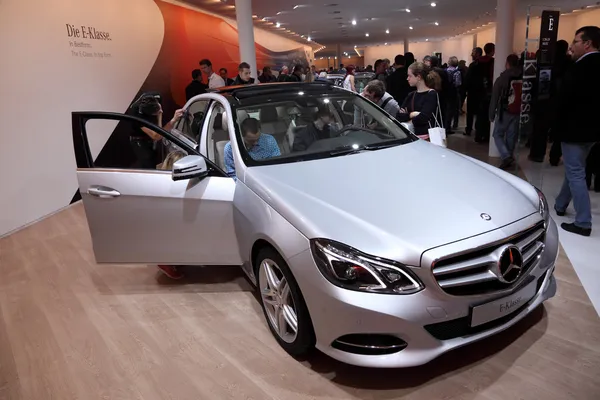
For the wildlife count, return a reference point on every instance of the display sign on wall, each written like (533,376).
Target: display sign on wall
(548,37)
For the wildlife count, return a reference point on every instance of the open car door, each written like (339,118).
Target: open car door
(140,215)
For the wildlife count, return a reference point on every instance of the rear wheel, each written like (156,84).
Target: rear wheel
(283,304)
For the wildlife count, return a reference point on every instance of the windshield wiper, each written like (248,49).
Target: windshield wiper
(357,149)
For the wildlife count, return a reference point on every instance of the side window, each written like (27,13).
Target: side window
(191,126)
(124,144)
(217,135)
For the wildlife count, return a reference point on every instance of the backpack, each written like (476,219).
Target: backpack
(512,96)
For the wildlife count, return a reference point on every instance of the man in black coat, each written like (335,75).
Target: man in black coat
(396,83)
(196,87)
(578,128)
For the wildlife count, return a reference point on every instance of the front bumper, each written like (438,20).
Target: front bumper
(422,320)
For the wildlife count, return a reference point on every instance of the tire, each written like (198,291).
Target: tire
(282,303)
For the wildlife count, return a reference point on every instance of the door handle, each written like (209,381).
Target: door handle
(103,192)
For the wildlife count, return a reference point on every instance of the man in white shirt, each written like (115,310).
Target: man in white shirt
(214,80)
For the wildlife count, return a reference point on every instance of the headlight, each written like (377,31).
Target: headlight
(543,205)
(350,269)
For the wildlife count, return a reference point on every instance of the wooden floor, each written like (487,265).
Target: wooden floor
(71,329)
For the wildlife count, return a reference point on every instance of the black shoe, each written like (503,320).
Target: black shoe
(560,213)
(576,229)
(507,163)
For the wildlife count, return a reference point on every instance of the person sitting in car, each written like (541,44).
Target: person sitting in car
(317,130)
(260,146)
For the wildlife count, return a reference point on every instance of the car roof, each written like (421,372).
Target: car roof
(234,94)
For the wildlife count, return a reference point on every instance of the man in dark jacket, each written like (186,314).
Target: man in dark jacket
(484,70)
(505,109)
(472,84)
(243,77)
(396,83)
(196,87)
(317,130)
(577,127)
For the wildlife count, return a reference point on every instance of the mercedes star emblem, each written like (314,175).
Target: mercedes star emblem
(485,217)
(510,264)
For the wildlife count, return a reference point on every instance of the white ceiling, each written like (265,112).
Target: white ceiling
(329,22)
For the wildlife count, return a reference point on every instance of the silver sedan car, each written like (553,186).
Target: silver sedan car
(375,247)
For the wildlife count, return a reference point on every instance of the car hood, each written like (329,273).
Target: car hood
(394,203)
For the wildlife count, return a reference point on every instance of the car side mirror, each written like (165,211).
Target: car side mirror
(189,167)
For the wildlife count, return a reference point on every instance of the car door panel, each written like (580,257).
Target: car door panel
(143,216)
(152,219)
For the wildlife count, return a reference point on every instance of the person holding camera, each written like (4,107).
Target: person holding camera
(142,140)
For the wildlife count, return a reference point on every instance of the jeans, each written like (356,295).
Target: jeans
(574,186)
(506,134)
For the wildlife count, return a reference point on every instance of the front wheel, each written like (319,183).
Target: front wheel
(283,304)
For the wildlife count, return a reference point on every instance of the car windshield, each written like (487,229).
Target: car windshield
(315,121)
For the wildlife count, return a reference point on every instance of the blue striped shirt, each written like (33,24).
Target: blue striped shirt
(265,148)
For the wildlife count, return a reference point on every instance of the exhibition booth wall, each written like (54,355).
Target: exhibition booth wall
(60,56)
(462,45)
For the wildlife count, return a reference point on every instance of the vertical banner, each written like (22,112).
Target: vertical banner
(548,37)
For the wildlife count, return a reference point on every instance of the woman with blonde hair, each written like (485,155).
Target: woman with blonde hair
(421,107)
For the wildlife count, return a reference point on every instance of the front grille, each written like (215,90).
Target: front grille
(476,272)
(461,327)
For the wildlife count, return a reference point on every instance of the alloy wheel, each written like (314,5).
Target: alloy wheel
(278,301)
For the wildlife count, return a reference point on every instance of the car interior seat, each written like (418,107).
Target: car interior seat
(272,125)
(220,145)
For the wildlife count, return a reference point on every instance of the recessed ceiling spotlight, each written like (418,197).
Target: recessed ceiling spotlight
(437,23)
(410,27)
(353,22)
(277,25)
(387,31)
(366,34)
(386,43)
(427,40)
(296,7)
(433,4)
(279,13)
(408,10)
(309,39)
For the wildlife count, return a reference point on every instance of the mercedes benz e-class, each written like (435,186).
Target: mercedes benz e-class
(373,246)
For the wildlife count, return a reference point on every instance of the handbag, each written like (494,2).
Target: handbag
(437,134)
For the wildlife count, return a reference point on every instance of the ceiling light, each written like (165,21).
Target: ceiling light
(387,31)
(353,22)
(437,23)
(366,34)
(309,39)
(433,4)
(385,44)
(296,7)
(410,27)
(408,10)
(427,40)
(277,25)
(279,13)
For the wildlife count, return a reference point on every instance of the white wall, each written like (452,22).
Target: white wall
(461,47)
(42,81)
